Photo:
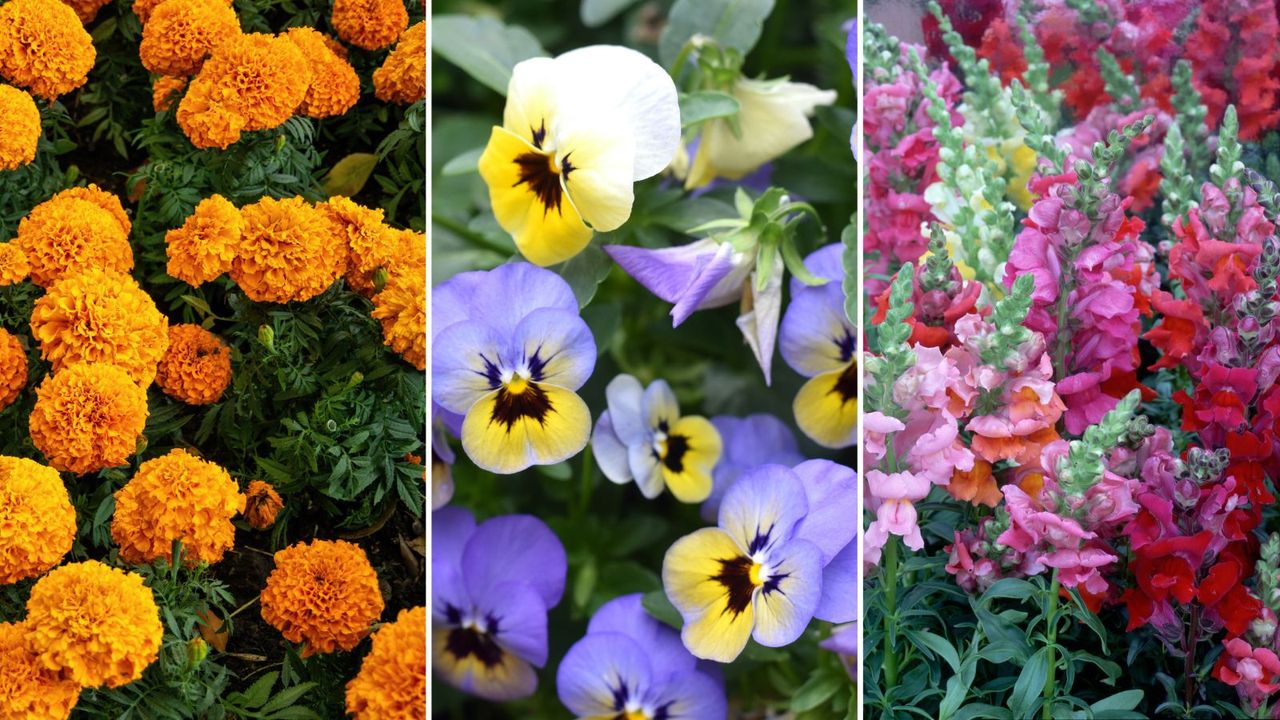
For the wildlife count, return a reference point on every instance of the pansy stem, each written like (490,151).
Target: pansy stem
(889,581)
(1051,640)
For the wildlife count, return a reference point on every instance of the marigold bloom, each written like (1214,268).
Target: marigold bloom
(100,316)
(262,504)
(369,24)
(289,251)
(164,89)
(176,497)
(335,88)
(323,593)
(371,243)
(44,47)
(65,233)
(13,368)
(196,367)
(37,522)
(208,115)
(106,200)
(88,417)
(28,689)
(401,307)
(392,681)
(21,132)
(98,624)
(14,267)
(86,10)
(203,248)
(180,34)
(403,76)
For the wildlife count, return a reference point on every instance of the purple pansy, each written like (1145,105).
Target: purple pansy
(701,275)
(748,442)
(491,587)
(632,666)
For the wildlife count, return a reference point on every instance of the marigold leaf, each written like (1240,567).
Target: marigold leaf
(349,175)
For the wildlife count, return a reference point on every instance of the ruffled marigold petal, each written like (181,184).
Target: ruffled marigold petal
(21,131)
(334,88)
(403,76)
(67,233)
(290,251)
(13,368)
(262,504)
(28,689)
(88,417)
(44,47)
(324,594)
(196,368)
(180,34)
(392,681)
(37,522)
(369,24)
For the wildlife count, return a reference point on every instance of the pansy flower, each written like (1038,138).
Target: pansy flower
(755,575)
(631,666)
(831,490)
(509,352)
(643,437)
(491,587)
(748,442)
(577,131)
(819,342)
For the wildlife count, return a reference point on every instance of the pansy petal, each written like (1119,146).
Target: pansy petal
(609,452)
(702,274)
(626,615)
(499,676)
(500,297)
(465,362)
(693,448)
(451,527)
(718,633)
(708,287)
(815,336)
(626,84)
(646,470)
(514,548)
(839,603)
(556,346)
(690,567)
(786,603)
(625,397)
(528,204)
(763,507)
(601,673)
(504,440)
(595,170)
(832,492)
(531,100)
(826,408)
(748,442)
(515,614)
(659,404)
(692,696)
(759,324)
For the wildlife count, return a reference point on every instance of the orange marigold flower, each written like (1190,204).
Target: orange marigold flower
(371,243)
(14,267)
(402,309)
(176,497)
(369,24)
(37,522)
(392,681)
(208,115)
(203,248)
(86,10)
(289,251)
(263,505)
(335,88)
(106,200)
(98,624)
(196,368)
(323,593)
(13,368)
(88,417)
(403,75)
(180,34)
(44,47)
(21,131)
(163,90)
(27,688)
(65,233)
(100,316)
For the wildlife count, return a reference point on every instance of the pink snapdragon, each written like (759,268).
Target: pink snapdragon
(892,496)
(1253,672)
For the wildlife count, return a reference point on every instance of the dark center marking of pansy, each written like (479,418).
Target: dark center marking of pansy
(737,576)
(537,172)
(677,448)
(539,135)
(520,399)
(847,384)
(465,642)
(846,344)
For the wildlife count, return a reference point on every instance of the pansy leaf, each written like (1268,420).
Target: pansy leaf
(732,23)
(701,106)
(659,606)
(595,13)
(464,163)
(850,259)
(585,271)
(483,47)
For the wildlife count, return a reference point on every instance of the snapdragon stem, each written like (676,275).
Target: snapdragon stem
(889,581)
(1051,640)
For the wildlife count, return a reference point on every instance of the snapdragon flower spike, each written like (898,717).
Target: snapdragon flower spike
(577,131)
(755,575)
(509,352)
(643,437)
(633,667)
(819,342)
(747,442)
(491,587)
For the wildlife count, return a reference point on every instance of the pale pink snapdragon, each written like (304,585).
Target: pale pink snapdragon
(892,496)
